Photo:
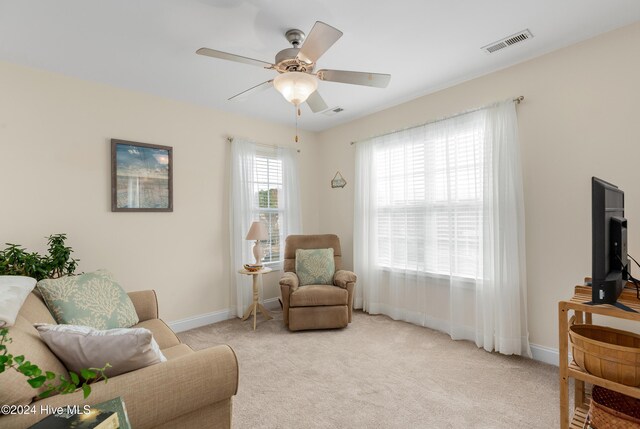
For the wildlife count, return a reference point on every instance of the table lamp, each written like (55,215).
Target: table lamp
(258,231)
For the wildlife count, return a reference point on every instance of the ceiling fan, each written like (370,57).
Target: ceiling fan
(297,81)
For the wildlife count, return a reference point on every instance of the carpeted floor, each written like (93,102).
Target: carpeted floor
(378,373)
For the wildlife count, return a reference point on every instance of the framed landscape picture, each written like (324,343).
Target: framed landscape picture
(141,177)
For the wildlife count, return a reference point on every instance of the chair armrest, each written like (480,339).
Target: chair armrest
(145,303)
(158,393)
(290,279)
(343,277)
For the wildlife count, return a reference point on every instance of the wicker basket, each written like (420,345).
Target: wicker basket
(613,410)
(607,353)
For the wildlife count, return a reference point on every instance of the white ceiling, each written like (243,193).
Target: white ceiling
(149,45)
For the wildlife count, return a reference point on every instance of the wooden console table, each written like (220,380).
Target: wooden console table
(583,314)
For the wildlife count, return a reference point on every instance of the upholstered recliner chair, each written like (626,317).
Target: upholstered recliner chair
(316,306)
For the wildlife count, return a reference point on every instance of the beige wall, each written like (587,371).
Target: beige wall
(55,176)
(579,119)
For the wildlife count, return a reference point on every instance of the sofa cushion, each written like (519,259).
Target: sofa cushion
(80,347)
(163,335)
(315,266)
(14,389)
(90,299)
(35,310)
(313,295)
(177,351)
(13,292)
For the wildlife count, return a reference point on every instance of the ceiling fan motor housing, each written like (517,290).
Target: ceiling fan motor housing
(286,61)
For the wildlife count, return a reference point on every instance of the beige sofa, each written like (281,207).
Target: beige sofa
(192,389)
(316,306)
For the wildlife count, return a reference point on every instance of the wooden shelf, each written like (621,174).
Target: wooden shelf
(579,374)
(583,314)
(579,299)
(579,418)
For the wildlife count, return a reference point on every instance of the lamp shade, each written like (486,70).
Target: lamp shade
(296,87)
(258,231)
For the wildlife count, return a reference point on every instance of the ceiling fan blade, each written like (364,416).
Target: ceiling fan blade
(316,102)
(254,89)
(319,40)
(355,78)
(232,57)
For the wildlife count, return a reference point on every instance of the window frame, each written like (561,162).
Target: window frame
(258,212)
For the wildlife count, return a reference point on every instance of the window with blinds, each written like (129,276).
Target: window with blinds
(429,202)
(267,189)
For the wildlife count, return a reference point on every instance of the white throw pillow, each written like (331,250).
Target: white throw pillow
(13,292)
(79,347)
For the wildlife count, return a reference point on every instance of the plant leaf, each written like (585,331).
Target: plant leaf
(50,375)
(86,389)
(87,374)
(74,378)
(47,393)
(37,382)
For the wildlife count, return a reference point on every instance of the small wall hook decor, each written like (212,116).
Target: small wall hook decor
(338,181)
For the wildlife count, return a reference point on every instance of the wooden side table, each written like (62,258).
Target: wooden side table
(255,306)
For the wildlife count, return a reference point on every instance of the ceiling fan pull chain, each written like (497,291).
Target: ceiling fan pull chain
(297,114)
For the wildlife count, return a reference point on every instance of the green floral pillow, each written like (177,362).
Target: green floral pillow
(91,299)
(315,266)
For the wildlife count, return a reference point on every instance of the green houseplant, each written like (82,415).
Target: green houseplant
(57,262)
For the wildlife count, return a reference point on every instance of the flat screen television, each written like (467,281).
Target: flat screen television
(610,262)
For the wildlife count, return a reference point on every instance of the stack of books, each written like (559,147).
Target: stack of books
(106,415)
(253,267)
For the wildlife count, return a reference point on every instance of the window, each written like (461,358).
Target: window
(263,186)
(429,202)
(268,190)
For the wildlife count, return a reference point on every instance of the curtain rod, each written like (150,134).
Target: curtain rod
(516,100)
(230,140)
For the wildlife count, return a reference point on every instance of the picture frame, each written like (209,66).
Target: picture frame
(141,177)
(338,181)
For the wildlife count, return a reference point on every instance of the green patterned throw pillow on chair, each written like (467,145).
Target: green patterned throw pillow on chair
(91,299)
(315,266)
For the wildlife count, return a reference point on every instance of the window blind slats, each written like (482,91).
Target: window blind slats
(429,201)
(267,190)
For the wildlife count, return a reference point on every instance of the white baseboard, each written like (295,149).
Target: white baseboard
(201,320)
(272,304)
(215,317)
(547,354)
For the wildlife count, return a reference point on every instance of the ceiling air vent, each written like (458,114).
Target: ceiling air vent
(333,111)
(507,41)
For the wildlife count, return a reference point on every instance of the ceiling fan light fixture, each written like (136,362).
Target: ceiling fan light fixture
(295,87)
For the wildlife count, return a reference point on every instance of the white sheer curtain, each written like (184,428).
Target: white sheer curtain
(439,228)
(244,192)
(502,315)
(242,205)
(290,199)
